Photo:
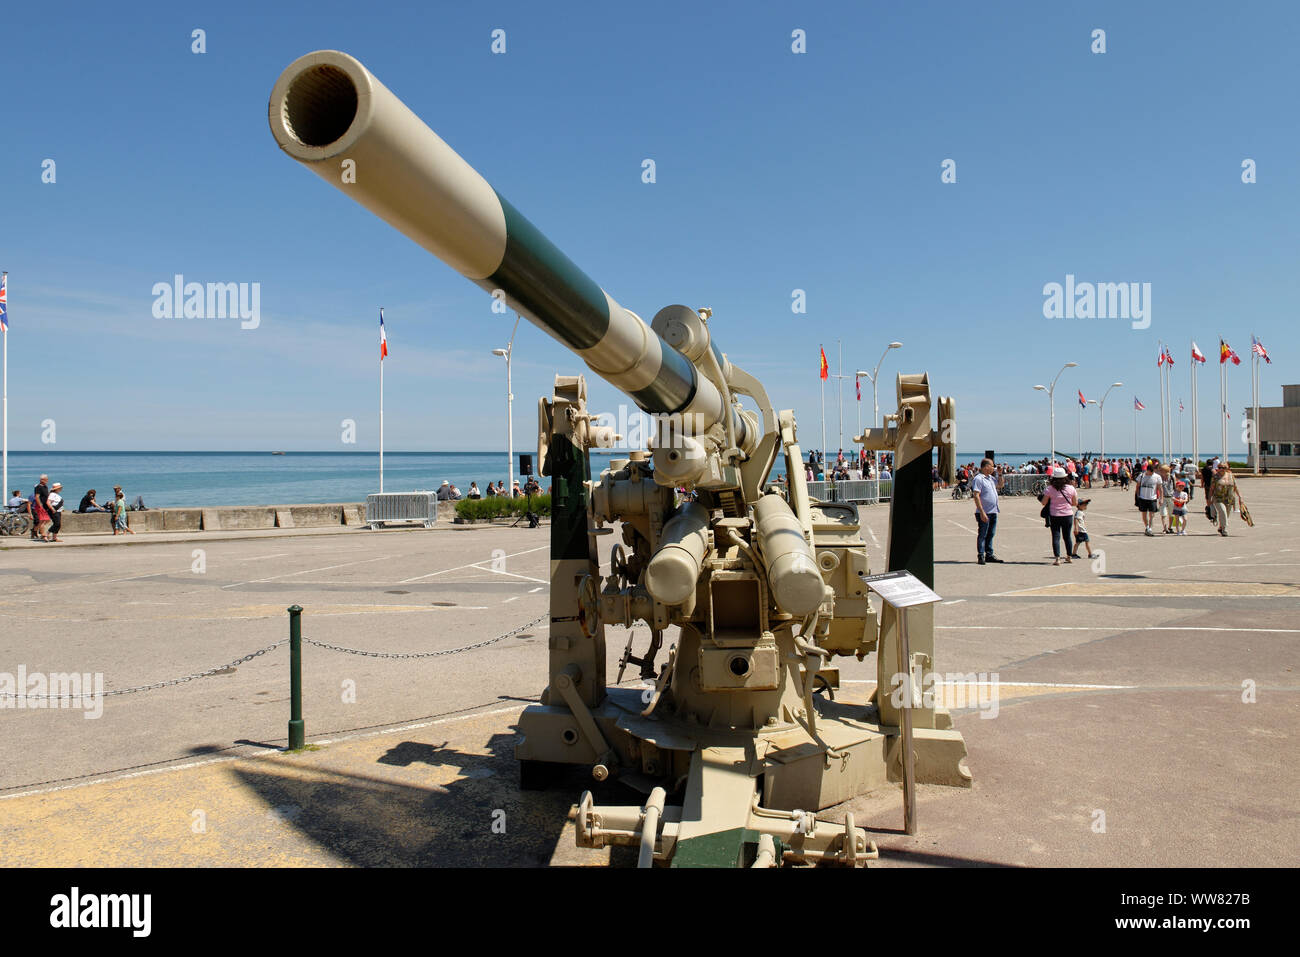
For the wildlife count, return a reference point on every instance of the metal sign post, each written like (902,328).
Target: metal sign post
(902,590)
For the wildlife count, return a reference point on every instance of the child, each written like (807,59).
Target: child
(1180,509)
(1081,527)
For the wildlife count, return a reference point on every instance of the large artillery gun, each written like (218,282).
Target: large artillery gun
(734,743)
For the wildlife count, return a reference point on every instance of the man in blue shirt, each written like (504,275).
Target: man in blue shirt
(986,490)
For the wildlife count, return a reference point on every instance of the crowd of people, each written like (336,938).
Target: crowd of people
(1161,489)
(1084,472)
(449,492)
(45,507)
(846,468)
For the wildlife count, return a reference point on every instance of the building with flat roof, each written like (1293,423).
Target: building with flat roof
(1279,432)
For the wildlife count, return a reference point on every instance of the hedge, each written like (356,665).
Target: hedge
(501,507)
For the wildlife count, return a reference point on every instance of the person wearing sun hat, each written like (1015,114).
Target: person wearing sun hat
(1060,500)
(55,499)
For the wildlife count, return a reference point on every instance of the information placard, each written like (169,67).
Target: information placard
(901,589)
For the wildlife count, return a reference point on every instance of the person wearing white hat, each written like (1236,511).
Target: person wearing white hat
(444,491)
(55,499)
(1060,500)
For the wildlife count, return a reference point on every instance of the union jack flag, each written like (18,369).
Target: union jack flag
(1256,346)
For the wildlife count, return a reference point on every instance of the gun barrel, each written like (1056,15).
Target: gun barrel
(326,109)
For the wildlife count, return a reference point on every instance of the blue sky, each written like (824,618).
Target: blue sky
(775,172)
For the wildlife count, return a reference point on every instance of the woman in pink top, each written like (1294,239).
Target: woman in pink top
(1061,501)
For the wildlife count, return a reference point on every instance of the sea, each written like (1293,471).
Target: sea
(209,479)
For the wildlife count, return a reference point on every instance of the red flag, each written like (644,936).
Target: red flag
(1226,353)
(825,367)
(1197,354)
(383,337)
(858,383)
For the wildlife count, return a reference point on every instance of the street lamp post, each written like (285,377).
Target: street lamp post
(1051,401)
(1101,407)
(875,399)
(506,353)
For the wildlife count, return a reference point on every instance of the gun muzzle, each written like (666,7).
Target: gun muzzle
(327,108)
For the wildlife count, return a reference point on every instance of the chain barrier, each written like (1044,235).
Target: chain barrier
(427,654)
(261,651)
(157,684)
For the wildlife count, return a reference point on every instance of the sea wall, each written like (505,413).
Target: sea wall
(235,518)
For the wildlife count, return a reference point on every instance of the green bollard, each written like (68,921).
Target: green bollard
(297,730)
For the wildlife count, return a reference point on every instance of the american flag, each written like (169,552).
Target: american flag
(383,337)
(1256,346)
(4,303)
(1137,404)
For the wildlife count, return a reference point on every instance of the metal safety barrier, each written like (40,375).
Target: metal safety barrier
(860,492)
(382,507)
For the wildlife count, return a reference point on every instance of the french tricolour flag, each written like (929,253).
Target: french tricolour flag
(383,337)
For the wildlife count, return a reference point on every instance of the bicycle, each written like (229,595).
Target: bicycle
(14,523)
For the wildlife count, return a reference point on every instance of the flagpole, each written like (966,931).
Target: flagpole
(381,410)
(1195,446)
(1135,432)
(1164,426)
(823,378)
(1255,393)
(839,390)
(1169,401)
(6,489)
(1223,404)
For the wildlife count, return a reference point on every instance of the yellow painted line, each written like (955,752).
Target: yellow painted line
(1160,590)
(248,612)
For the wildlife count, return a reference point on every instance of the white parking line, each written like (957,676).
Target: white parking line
(407,581)
(1116,630)
(1000,684)
(306,571)
(1018,591)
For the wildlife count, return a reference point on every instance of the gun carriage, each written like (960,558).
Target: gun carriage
(735,743)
